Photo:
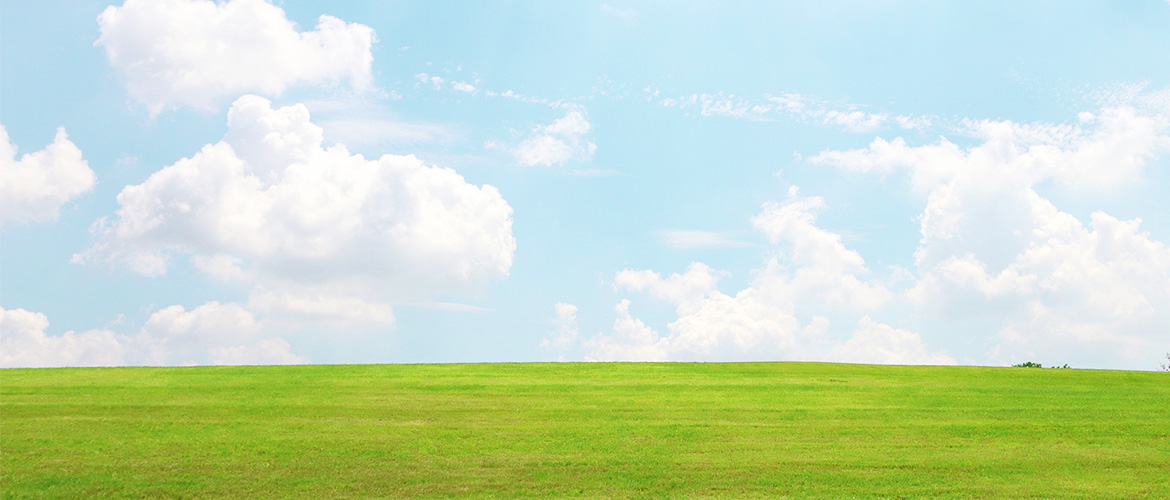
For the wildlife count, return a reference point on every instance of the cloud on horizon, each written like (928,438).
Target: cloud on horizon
(213,333)
(812,275)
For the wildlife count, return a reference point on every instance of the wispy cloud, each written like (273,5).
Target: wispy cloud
(690,239)
(720,104)
(449,307)
(628,16)
(516,96)
(359,121)
(382,131)
(593,172)
(843,115)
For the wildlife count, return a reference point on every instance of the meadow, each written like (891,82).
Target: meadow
(584,430)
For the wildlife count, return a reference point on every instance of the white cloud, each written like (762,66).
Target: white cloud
(1105,151)
(845,116)
(439,83)
(274,351)
(631,340)
(720,104)
(815,273)
(856,121)
(424,79)
(688,239)
(698,280)
(564,327)
(463,87)
(33,188)
(757,322)
(543,150)
(993,248)
(879,343)
(1061,290)
(174,53)
(557,143)
(528,99)
(825,268)
(327,312)
(211,333)
(178,336)
(848,117)
(26,345)
(270,207)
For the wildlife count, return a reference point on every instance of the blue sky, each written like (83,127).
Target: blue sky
(363,182)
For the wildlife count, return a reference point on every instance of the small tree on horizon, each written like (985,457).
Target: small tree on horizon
(1166,366)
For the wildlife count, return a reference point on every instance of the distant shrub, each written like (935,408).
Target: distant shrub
(1166,366)
(1030,364)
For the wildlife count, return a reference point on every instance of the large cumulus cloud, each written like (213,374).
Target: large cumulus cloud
(314,230)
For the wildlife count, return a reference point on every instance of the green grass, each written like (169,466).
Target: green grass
(786,430)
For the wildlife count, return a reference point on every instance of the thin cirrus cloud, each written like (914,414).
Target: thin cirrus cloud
(845,116)
(34,187)
(692,239)
(628,16)
(364,121)
(195,53)
(314,230)
(439,83)
(380,131)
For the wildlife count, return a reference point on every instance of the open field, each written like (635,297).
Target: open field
(794,430)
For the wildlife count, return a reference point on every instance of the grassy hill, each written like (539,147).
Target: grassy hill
(788,430)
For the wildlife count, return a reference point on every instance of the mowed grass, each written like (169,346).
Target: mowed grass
(628,430)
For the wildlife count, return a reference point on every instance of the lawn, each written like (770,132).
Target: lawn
(603,430)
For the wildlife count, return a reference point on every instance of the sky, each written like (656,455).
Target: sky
(188,182)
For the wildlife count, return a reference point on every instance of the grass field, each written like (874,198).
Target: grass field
(787,430)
